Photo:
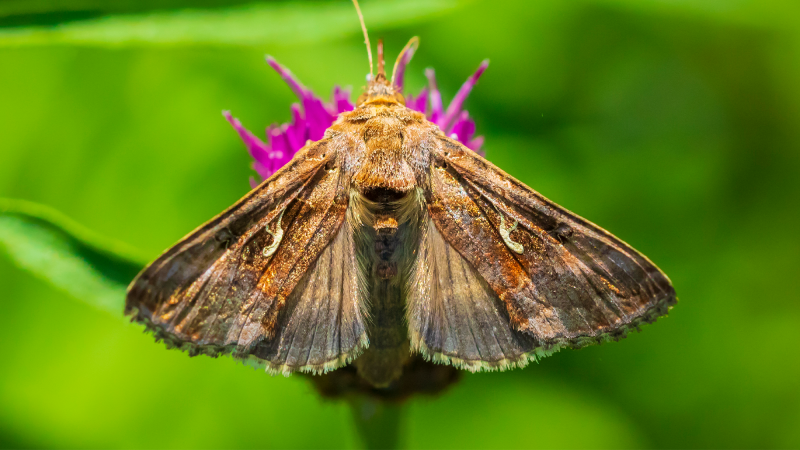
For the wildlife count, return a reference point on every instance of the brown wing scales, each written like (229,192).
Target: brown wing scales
(563,280)
(217,291)
(454,316)
(322,325)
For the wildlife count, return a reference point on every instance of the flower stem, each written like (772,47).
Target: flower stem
(377,423)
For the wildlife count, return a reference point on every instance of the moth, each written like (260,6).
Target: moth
(385,242)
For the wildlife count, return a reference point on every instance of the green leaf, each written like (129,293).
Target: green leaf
(30,8)
(46,243)
(255,24)
(16,13)
(770,14)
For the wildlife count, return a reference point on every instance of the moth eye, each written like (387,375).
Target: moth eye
(329,166)
(441,165)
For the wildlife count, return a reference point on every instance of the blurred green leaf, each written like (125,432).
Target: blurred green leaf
(763,14)
(56,249)
(19,8)
(16,13)
(238,25)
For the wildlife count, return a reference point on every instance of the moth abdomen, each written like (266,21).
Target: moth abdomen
(386,242)
(385,224)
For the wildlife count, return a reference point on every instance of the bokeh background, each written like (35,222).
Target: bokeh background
(673,124)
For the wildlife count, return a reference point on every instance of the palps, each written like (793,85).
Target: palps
(387,247)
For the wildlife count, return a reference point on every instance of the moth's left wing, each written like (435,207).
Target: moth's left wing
(561,281)
(453,314)
(272,279)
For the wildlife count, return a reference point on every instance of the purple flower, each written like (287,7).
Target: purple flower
(311,117)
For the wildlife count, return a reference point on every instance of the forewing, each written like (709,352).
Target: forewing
(223,287)
(563,280)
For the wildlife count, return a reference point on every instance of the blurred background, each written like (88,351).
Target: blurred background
(673,124)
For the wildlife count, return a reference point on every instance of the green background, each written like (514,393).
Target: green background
(673,124)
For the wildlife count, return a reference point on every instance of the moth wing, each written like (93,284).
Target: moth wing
(322,327)
(230,285)
(562,281)
(454,316)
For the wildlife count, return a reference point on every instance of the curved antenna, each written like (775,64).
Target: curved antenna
(366,37)
(402,59)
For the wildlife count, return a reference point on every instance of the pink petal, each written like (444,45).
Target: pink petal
(318,118)
(401,68)
(297,131)
(458,101)
(476,145)
(464,127)
(288,76)
(436,98)
(262,170)
(257,148)
(281,149)
(341,98)
(419,102)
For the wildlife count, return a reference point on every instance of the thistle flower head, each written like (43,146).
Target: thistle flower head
(312,116)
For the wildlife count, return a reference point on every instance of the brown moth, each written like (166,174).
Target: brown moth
(385,241)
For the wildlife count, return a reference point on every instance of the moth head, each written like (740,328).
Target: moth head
(379,88)
(382,89)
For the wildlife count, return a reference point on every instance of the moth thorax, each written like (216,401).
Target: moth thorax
(384,166)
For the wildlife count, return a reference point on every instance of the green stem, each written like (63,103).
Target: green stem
(377,423)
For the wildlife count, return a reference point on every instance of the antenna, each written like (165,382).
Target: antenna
(366,37)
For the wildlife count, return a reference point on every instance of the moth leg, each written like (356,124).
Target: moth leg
(277,237)
(505,233)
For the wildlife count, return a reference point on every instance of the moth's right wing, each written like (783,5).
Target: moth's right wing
(505,275)
(271,279)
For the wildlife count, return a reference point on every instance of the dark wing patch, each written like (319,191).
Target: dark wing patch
(222,287)
(571,283)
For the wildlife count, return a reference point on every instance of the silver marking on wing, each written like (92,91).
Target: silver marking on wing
(277,237)
(505,233)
